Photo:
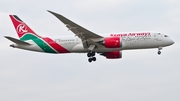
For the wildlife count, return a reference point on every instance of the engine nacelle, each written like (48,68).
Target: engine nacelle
(113,55)
(112,42)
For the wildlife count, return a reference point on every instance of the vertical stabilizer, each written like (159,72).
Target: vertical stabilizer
(24,31)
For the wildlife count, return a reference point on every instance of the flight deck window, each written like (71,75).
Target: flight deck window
(165,36)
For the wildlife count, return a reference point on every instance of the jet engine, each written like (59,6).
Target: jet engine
(113,55)
(112,42)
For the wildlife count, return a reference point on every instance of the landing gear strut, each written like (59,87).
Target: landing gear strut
(159,50)
(91,55)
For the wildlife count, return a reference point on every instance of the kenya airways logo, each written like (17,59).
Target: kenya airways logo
(21,28)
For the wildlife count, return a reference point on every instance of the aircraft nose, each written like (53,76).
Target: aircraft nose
(169,42)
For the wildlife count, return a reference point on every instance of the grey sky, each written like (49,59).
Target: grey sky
(141,75)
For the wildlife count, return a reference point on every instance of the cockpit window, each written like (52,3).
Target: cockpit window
(165,36)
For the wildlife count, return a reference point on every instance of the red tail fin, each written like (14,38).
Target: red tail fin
(21,27)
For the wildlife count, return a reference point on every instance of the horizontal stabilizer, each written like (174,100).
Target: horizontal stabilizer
(17,41)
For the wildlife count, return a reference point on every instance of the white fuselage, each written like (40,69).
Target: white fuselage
(129,41)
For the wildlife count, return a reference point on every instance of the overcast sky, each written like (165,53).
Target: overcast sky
(141,75)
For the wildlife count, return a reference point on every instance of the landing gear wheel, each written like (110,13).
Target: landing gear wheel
(90,59)
(89,54)
(94,58)
(93,54)
(159,52)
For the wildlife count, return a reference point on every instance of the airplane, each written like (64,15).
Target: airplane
(85,41)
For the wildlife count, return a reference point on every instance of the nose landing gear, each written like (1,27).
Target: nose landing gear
(159,50)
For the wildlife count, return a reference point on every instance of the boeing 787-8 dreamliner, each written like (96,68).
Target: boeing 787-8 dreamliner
(86,41)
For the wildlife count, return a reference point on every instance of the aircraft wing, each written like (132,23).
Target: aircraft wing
(79,31)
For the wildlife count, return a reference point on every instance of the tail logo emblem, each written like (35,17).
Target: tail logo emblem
(21,28)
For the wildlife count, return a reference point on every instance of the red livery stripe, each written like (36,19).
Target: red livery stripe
(55,45)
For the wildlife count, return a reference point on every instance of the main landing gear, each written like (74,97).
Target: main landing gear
(159,50)
(91,55)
